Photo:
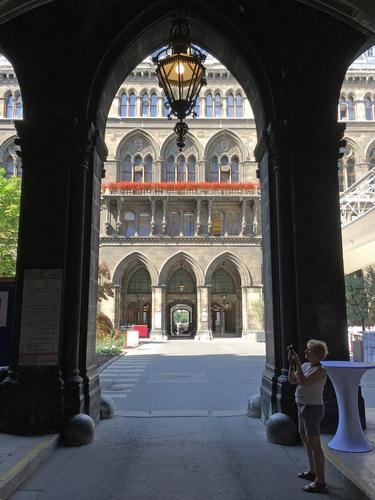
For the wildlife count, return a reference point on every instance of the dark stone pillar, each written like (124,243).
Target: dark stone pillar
(303,271)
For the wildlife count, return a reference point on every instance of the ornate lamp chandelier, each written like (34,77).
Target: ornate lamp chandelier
(181,74)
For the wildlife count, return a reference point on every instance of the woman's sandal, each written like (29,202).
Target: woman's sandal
(315,488)
(309,476)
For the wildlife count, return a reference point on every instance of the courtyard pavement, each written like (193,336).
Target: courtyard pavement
(181,432)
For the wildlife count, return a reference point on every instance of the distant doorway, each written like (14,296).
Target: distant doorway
(181,320)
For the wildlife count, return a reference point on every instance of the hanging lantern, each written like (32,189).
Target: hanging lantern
(181,74)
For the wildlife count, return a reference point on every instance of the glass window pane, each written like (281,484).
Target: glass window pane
(235,170)
(154,108)
(19,107)
(218,224)
(140,282)
(132,105)
(166,109)
(129,223)
(209,110)
(217,105)
(144,227)
(214,170)
(222,282)
(350,172)
(351,108)
(180,169)
(10,106)
(368,107)
(230,106)
(148,169)
(197,107)
(341,176)
(125,170)
(123,105)
(234,224)
(239,106)
(188,228)
(170,174)
(181,277)
(173,226)
(191,169)
(145,105)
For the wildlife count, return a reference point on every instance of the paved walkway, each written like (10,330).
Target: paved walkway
(180,432)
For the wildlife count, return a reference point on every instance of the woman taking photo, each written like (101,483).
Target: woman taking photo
(310,377)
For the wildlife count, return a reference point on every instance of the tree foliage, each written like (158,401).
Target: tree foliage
(10,192)
(360,297)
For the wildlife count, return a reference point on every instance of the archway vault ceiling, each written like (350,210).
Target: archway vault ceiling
(358,13)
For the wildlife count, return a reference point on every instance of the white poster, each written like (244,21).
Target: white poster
(3,308)
(40,320)
(158,319)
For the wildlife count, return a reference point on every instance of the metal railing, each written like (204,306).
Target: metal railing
(358,199)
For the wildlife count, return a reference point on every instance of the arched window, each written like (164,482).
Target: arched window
(123,105)
(140,282)
(129,223)
(368,108)
(165,107)
(230,106)
(343,108)
(209,110)
(350,172)
(197,107)
(145,105)
(191,169)
(224,169)
(138,170)
(222,282)
(181,277)
(19,110)
(170,173)
(235,169)
(125,170)
(218,224)
(181,168)
(214,170)
(154,105)
(9,167)
(239,106)
(217,105)
(234,224)
(173,225)
(188,224)
(351,114)
(144,224)
(148,169)
(10,106)
(132,105)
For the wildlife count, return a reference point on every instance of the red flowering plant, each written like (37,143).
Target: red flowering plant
(180,186)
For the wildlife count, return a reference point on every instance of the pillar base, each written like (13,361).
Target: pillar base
(158,336)
(30,409)
(277,395)
(203,335)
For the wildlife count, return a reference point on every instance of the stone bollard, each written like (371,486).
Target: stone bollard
(79,430)
(281,429)
(107,407)
(254,407)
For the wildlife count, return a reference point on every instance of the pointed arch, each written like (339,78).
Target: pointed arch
(131,261)
(120,151)
(172,261)
(169,146)
(243,271)
(223,135)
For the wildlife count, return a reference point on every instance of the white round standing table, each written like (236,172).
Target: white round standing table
(345,377)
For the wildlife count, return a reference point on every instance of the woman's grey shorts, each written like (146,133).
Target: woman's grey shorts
(309,418)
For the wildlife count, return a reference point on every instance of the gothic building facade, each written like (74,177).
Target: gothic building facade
(180,232)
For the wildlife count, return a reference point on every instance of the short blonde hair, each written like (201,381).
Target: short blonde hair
(319,346)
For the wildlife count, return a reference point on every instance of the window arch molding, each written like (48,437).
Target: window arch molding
(128,144)
(193,146)
(238,145)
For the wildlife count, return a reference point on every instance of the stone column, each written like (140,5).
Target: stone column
(198,218)
(209,220)
(250,322)
(201,170)
(118,215)
(243,217)
(203,106)
(256,216)
(153,230)
(203,313)
(138,101)
(158,312)
(224,107)
(157,173)
(164,222)
(181,213)
(160,107)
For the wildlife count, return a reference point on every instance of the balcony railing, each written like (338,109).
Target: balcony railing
(191,189)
